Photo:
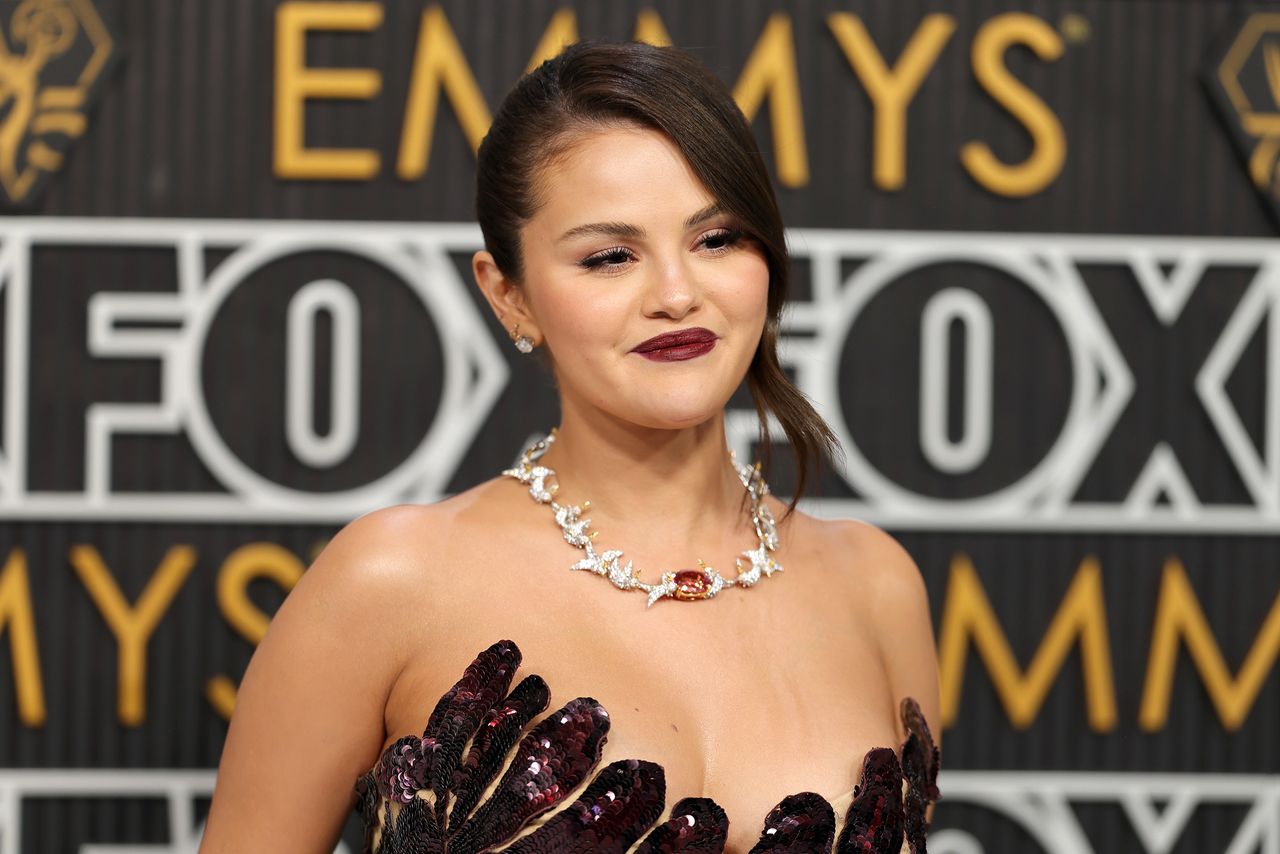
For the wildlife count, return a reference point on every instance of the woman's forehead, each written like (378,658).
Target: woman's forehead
(614,173)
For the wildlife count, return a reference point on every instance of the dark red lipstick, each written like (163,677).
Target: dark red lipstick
(677,346)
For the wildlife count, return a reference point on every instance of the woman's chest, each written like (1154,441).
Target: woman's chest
(748,756)
(743,723)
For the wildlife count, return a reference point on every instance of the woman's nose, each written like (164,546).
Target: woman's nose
(673,291)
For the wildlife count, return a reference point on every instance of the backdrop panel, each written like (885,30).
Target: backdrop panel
(1037,296)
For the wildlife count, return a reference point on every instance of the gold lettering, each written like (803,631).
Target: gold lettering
(296,83)
(770,71)
(561,31)
(650,29)
(891,90)
(1178,615)
(1049,142)
(16,613)
(134,625)
(438,64)
(968,614)
(244,565)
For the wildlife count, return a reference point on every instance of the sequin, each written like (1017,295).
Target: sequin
(920,762)
(696,826)
(875,818)
(423,796)
(800,824)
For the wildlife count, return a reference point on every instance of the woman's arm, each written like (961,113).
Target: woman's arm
(309,714)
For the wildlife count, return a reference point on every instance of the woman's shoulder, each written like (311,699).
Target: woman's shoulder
(880,580)
(417,552)
(861,552)
(419,530)
(380,548)
(887,591)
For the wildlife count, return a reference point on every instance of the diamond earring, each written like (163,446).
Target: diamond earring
(523,342)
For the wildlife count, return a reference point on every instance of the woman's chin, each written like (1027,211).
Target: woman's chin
(678,418)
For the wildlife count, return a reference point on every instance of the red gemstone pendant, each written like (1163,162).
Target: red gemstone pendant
(692,584)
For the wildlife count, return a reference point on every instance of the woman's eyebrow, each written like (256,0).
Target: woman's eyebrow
(621,230)
(627,231)
(702,216)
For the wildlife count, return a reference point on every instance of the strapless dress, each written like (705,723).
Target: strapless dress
(436,793)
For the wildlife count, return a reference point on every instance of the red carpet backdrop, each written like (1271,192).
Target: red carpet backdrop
(1037,296)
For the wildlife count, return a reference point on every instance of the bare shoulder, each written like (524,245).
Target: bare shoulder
(397,527)
(374,544)
(406,553)
(401,544)
(354,584)
(889,592)
(870,558)
(370,567)
(314,693)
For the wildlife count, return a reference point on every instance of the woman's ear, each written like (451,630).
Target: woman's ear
(505,297)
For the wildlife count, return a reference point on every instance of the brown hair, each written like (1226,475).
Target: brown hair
(592,84)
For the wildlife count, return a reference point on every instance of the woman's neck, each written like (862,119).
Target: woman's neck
(676,479)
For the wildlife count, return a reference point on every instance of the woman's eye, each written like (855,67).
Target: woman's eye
(608,259)
(721,239)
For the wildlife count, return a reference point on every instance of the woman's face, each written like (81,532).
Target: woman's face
(650,300)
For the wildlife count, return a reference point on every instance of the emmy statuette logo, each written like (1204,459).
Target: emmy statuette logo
(53,53)
(1245,83)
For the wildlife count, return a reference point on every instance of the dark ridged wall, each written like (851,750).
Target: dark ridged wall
(180,131)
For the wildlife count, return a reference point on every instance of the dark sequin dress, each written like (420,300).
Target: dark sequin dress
(436,794)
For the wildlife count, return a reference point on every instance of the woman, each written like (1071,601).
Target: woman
(631,236)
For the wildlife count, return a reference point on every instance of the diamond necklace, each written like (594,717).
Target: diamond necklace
(684,584)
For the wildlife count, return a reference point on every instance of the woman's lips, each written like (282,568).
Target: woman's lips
(677,346)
